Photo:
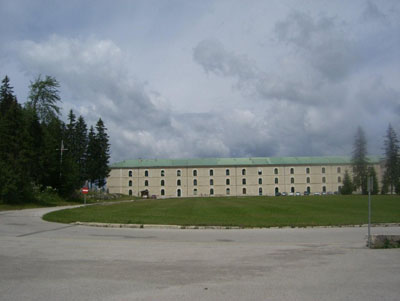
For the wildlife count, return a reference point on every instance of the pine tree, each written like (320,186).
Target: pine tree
(375,185)
(92,155)
(347,187)
(360,161)
(81,148)
(104,152)
(392,161)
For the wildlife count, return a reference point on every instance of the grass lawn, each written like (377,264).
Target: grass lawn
(242,211)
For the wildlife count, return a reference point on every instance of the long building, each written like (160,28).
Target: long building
(265,176)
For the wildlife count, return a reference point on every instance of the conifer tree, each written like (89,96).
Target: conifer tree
(392,161)
(360,161)
(347,187)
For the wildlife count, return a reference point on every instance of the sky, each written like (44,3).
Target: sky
(196,79)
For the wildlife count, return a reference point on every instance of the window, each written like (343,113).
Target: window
(292,189)
(276,181)
(146,183)
(163,173)
(339,170)
(308,189)
(162,183)
(308,170)
(259,181)
(292,180)
(227,172)
(308,180)
(195,173)
(195,191)
(146,173)
(178,192)
(211,182)
(244,181)
(130,173)
(276,190)
(162,192)
(211,172)
(178,173)
(339,179)
(228,191)
(228,182)
(130,191)
(260,191)
(323,180)
(130,183)
(323,188)
(243,172)
(178,182)
(323,169)
(244,191)
(194,182)
(211,191)
(292,171)
(260,172)
(276,171)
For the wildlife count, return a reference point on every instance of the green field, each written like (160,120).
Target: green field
(293,211)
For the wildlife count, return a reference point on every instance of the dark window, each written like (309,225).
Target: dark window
(130,183)
(243,172)
(146,173)
(292,189)
(292,180)
(211,182)
(323,169)
(211,172)
(211,191)
(244,191)
(146,183)
(276,190)
(228,182)
(194,173)
(194,182)
(162,183)
(162,173)
(260,181)
(323,188)
(178,192)
(130,192)
(178,182)
(292,171)
(195,191)
(308,180)
(130,173)
(227,172)
(308,189)
(178,173)
(307,170)
(276,171)
(162,192)
(276,181)
(260,172)
(244,181)
(260,191)
(228,191)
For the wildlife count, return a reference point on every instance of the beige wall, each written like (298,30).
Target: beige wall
(119,180)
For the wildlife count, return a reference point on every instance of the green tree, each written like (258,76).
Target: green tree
(360,161)
(375,185)
(44,97)
(81,136)
(348,186)
(391,175)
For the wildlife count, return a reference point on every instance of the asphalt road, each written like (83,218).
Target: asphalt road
(49,261)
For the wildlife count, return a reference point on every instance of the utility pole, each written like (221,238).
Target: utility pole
(61,149)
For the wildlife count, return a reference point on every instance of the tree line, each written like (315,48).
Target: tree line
(363,169)
(39,151)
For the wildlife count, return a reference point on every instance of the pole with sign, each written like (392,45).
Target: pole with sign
(370,187)
(85,191)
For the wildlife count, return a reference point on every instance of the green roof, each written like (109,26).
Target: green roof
(257,161)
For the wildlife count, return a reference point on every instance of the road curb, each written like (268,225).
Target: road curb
(153,226)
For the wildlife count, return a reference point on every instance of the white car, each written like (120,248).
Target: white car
(317,193)
(298,193)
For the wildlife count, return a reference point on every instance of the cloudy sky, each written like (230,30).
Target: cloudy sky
(185,79)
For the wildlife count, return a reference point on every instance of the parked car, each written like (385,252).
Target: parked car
(306,193)
(284,194)
(291,193)
(317,193)
(277,194)
(298,193)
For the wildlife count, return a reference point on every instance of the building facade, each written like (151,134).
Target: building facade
(231,176)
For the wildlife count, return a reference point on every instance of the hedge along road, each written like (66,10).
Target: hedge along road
(49,261)
(243,212)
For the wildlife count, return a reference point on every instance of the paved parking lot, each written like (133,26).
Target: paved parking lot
(49,261)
